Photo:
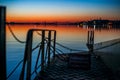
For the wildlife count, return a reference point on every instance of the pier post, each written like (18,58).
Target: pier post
(88,37)
(49,44)
(2,43)
(90,41)
(42,55)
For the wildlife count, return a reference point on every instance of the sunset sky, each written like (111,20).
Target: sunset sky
(60,10)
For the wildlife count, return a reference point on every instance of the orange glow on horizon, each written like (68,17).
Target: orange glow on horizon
(52,18)
(42,19)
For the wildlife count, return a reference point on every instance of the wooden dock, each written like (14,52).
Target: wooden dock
(60,70)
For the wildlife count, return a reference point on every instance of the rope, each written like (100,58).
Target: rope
(38,57)
(21,62)
(36,67)
(15,35)
(38,33)
(36,46)
(60,44)
(14,69)
(62,59)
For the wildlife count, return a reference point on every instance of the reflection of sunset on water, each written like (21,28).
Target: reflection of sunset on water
(65,33)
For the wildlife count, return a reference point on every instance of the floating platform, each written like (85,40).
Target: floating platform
(61,69)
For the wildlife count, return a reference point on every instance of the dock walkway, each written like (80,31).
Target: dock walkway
(59,70)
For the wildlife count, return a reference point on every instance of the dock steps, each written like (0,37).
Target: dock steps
(79,60)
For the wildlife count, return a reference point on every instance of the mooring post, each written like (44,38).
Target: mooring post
(49,45)
(54,45)
(88,37)
(90,42)
(42,55)
(2,43)
(93,38)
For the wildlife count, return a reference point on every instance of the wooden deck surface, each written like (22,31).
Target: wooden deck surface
(59,70)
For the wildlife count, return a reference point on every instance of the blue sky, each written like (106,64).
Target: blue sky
(77,8)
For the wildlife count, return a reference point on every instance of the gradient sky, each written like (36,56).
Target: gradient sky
(61,10)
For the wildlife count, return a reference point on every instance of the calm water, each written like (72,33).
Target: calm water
(74,37)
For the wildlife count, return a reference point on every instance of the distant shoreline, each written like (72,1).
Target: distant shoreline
(43,23)
(89,23)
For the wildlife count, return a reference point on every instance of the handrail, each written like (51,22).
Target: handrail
(28,52)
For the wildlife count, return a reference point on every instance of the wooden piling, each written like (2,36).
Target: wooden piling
(2,43)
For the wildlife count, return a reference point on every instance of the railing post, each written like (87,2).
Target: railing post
(27,57)
(2,43)
(49,45)
(29,54)
(54,45)
(42,55)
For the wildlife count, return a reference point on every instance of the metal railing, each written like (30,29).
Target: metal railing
(28,52)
